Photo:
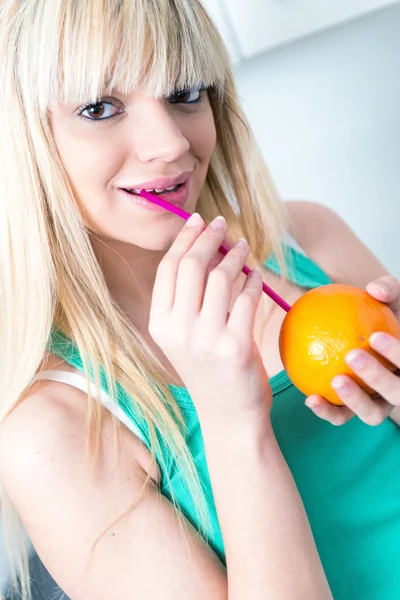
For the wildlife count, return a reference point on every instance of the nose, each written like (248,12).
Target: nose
(157,135)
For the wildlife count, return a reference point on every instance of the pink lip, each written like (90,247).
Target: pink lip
(162,182)
(178,198)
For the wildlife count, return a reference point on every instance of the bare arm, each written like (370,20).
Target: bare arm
(144,555)
(270,550)
(331,243)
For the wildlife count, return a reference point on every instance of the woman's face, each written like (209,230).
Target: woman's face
(130,142)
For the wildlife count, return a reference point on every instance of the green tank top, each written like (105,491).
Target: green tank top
(347,476)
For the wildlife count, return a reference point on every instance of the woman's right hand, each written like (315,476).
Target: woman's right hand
(212,350)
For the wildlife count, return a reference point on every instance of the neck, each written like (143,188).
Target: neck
(130,273)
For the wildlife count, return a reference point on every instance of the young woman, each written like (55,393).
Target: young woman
(139,444)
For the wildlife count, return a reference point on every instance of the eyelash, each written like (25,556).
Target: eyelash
(85,107)
(88,119)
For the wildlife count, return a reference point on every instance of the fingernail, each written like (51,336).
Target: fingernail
(241,243)
(313,406)
(356,360)
(194,220)
(383,287)
(380,341)
(218,223)
(255,274)
(341,386)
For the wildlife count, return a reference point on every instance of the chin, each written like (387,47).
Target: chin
(154,245)
(157,239)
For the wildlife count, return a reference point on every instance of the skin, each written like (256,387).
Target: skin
(147,138)
(318,230)
(150,139)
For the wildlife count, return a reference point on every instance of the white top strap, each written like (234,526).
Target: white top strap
(292,242)
(79,381)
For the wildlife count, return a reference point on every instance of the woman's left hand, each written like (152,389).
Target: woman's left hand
(372,411)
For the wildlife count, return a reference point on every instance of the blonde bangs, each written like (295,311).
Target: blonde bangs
(97,47)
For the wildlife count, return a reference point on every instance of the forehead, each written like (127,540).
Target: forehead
(92,49)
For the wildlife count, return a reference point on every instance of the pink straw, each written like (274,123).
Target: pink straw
(223,249)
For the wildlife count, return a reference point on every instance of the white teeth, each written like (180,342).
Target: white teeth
(156,190)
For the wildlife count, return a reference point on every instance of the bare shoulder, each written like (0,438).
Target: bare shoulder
(45,410)
(32,430)
(47,421)
(49,426)
(332,244)
(42,451)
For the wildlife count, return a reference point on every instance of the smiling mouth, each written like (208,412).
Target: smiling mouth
(156,192)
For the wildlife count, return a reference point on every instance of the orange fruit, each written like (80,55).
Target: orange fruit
(322,327)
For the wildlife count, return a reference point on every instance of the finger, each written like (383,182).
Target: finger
(219,256)
(242,318)
(218,292)
(376,375)
(386,289)
(336,415)
(165,283)
(191,277)
(387,346)
(372,411)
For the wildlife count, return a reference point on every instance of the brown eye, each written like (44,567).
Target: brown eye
(101,111)
(96,111)
(182,96)
(185,97)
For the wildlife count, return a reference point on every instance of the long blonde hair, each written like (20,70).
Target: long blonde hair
(66,51)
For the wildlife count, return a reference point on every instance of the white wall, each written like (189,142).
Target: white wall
(326,114)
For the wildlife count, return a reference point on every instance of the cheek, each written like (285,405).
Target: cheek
(202,136)
(208,141)
(88,160)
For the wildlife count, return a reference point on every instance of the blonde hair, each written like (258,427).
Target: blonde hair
(69,51)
